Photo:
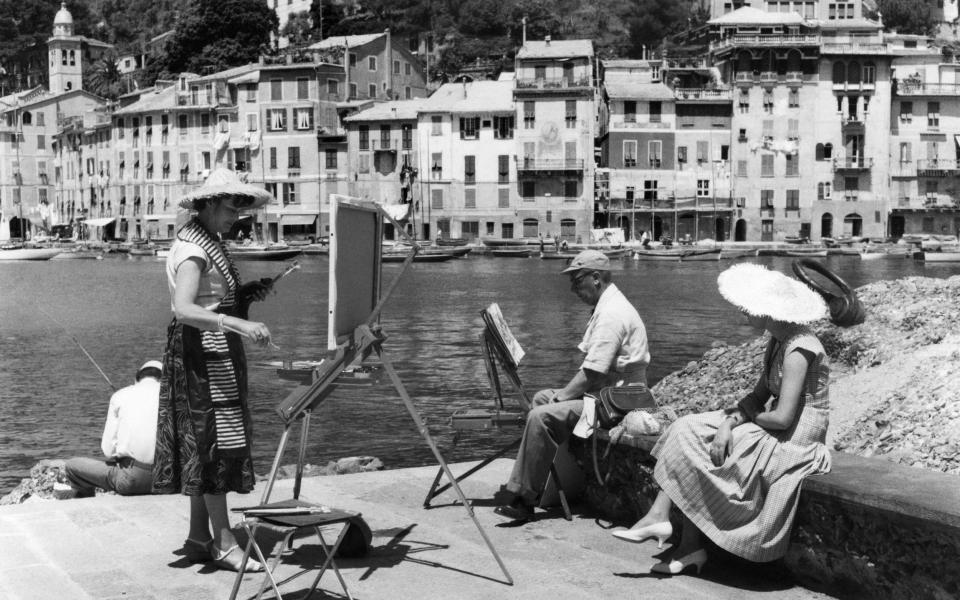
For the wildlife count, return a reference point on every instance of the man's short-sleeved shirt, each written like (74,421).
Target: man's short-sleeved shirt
(615,342)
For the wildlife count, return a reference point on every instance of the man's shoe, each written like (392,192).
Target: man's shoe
(516,511)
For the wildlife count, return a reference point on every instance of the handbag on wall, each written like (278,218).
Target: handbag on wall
(613,403)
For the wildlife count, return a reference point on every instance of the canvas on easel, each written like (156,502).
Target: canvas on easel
(354,335)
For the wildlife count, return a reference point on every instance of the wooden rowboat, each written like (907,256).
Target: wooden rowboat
(18,253)
(511,252)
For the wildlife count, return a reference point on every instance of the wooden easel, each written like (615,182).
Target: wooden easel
(495,354)
(365,341)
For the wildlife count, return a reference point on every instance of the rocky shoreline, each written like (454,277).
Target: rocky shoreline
(895,385)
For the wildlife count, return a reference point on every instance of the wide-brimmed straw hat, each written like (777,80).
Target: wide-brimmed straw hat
(765,293)
(224,183)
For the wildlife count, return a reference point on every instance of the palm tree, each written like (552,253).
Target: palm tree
(104,77)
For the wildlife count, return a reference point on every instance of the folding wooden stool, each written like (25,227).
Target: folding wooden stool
(293,516)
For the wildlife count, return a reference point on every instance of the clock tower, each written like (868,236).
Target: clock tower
(64,54)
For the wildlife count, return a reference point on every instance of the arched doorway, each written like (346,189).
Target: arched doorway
(740,231)
(720,230)
(826,225)
(898,226)
(17,229)
(853,225)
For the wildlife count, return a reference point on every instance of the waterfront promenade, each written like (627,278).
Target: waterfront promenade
(113,547)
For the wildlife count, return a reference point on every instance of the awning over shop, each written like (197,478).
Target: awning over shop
(102,222)
(288,219)
(158,217)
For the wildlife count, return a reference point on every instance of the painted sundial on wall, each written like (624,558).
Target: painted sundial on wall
(550,133)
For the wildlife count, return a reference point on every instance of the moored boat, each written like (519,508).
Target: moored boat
(733,253)
(872,255)
(803,252)
(394,257)
(703,254)
(505,242)
(452,241)
(667,254)
(279,252)
(511,252)
(615,252)
(554,255)
(937,257)
(17,252)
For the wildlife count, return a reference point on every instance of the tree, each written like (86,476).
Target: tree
(218,34)
(651,21)
(104,78)
(906,16)
(299,30)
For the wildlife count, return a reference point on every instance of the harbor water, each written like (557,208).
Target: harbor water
(53,400)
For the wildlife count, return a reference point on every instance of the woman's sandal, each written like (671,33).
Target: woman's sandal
(197,551)
(230,560)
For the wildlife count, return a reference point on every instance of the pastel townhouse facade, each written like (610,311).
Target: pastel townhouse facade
(467,173)
(810,122)
(378,66)
(33,196)
(925,140)
(664,150)
(383,161)
(556,125)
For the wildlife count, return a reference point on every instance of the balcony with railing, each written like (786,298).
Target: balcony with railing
(852,163)
(545,165)
(703,94)
(552,83)
(384,145)
(916,87)
(624,123)
(853,47)
(938,167)
(765,40)
(854,86)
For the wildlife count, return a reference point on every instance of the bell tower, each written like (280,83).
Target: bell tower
(65,56)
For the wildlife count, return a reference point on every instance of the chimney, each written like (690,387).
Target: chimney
(524,21)
(464,88)
(547,40)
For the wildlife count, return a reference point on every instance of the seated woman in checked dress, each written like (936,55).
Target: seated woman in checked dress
(735,475)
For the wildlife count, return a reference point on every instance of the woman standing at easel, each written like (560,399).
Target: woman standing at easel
(204,429)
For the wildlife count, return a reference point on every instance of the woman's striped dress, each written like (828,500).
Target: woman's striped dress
(746,506)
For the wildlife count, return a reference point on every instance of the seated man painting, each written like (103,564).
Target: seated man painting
(129,437)
(615,353)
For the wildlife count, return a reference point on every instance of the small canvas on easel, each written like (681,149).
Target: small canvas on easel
(504,339)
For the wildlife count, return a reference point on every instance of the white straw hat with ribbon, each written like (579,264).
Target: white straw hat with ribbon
(224,183)
(765,293)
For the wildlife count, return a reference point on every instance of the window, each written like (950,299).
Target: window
(276,119)
(205,157)
(470,169)
(364,136)
(741,168)
(768,130)
(182,125)
(396,67)
(792,165)
(539,72)
(793,200)
(205,123)
(407,92)
(793,129)
(933,114)
(165,167)
(823,190)
(406,137)
(869,73)
(768,101)
(906,112)
(435,123)
(40,119)
(503,127)
(303,88)
(766,165)
(330,161)
(650,189)
(251,92)
(742,135)
(371,63)
(273,158)
(503,168)
(528,190)
(827,151)
(724,152)
(656,110)
(905,152)
(703,188)
(364,163)
(303,118)
(631,194)
(681,154)
(506,231)
(293,157)
(702,150)
(743,100)
(469,128)
(571,114)
(436,165)
(793,98)
(289,193)
(766,199)
(41,142)
(630,111)
(655,153)
(529,113)
(470,198)
(352,59)
(630,153)
(253,121)
(570,191)
(503,201)
(353,90)
(372,90)
(276,89)
(529,153)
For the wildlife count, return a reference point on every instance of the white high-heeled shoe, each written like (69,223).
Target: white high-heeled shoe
(675,567)
(661,531)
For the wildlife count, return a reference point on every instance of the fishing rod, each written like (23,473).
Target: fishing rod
(82,349)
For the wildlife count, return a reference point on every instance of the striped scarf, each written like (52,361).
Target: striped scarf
(224,391)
